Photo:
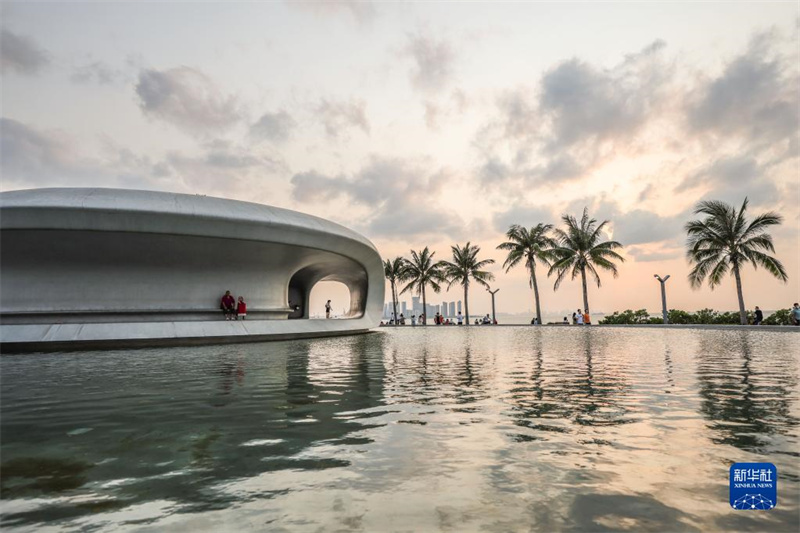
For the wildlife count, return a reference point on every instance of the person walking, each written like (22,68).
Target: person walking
(759,317)
(328,308)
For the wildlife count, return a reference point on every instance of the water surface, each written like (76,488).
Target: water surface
(434,429)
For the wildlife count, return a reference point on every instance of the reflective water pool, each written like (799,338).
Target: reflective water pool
(437,429)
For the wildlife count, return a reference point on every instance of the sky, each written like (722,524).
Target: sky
(429,123)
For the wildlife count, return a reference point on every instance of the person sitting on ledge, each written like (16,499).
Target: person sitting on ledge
(241,309)
(227,305)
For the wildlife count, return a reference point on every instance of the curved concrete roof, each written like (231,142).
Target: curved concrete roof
(182,214)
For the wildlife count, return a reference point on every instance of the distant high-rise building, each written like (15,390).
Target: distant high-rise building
(439,309)
(444,309)
(430,311)
(452,309)
(403,308)
(459,306)
(416,307)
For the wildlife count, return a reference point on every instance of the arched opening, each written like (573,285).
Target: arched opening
(338,279)
(335,291)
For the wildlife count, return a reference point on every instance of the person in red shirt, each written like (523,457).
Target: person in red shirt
(241,309)
(228,305)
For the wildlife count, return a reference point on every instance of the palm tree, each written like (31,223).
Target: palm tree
(394,271)
(579,249)
(465,265)
(531,245)
(724,241)
(420,271)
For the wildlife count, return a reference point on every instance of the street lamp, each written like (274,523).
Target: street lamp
(663,282)
(494,319)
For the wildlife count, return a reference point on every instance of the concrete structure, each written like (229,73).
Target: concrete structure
(107,267)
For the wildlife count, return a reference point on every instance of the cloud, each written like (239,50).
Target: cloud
(400,197)
(223,169)
(755,97)
(518,113)
(35,158)
(433,62)
(732,177)
(586,103)
(523,215)
(276,127)
(639,227)
(644,255)
(436,112)
(633,227)
(186,98)
(21,54)
(577,116)
(339,116)
(31,156)
(96,72)
(362,11)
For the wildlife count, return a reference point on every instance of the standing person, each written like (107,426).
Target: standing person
(402,319)
(759,317)
(241,309)
(574,319)
(422,318)
(587,318)
(328,308)
(579,318)
(227,305)
(460,319)
(795,314)
(413,320)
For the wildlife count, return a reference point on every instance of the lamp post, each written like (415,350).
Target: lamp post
(663,282)
(494,319)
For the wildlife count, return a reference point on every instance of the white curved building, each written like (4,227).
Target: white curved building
(109,267)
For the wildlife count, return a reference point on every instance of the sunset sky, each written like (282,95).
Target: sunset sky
(429,123)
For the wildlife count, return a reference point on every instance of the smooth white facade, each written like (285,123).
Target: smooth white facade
(98,266)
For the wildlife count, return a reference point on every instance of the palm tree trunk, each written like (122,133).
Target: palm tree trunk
(466,302)
(742,310)
(585,290)
(536,293)
(424,307)
(394,302)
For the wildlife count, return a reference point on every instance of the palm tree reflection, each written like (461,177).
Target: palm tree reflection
(744,407)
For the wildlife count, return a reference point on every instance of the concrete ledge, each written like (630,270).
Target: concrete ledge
(727,327)
(60,337)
